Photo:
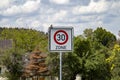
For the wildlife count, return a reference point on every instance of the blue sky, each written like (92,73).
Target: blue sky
(81,14)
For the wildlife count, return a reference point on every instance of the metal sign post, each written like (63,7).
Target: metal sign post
(60,65)
(60,40)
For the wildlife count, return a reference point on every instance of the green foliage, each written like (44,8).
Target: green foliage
(53,62)
(114,59)
(12,60)
(104,37)
(71,66)
(82,47)
(88,33)
(91,57)
(25,39)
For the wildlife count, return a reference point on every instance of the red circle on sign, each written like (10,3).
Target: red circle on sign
(66,35)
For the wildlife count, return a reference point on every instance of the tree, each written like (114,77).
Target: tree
(12,60)
(53,62)
(104,37)
(36,65)
(92,59)
(88,60)
(114,60)
(23,40)
(88,33)
(70,66)
(26,39)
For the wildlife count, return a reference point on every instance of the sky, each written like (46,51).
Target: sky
(80,14)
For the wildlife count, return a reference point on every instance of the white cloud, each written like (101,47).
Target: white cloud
(29,22)
(115,8)
(12,10)
(54,14)
(27,7)
(58,16)
(4,3)
(116,5)
(25,21)
(4,21)
(20,21)
(60,1)
(88,18)
(30,6)
(46,26)
(93,7)
(35,23)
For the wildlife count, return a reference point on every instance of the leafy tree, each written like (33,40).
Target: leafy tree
(115,64)
(88,33)
(12,60)
(92,59)
(81,47)
(26,39)
(88,59)
(70,65)
(53,62)
(92,52)
(104,37)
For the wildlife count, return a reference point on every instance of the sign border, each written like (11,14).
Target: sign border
(49,40)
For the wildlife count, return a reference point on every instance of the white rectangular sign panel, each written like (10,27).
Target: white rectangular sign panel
(60,39)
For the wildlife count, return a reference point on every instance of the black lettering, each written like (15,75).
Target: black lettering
(60,37)
(63,37)
(60,47)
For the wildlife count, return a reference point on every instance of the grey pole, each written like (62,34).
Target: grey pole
(60,65)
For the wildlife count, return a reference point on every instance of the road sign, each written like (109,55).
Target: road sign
(60,39)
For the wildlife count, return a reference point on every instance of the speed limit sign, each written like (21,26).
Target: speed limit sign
(60,39)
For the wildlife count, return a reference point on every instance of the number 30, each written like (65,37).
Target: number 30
(60,37)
